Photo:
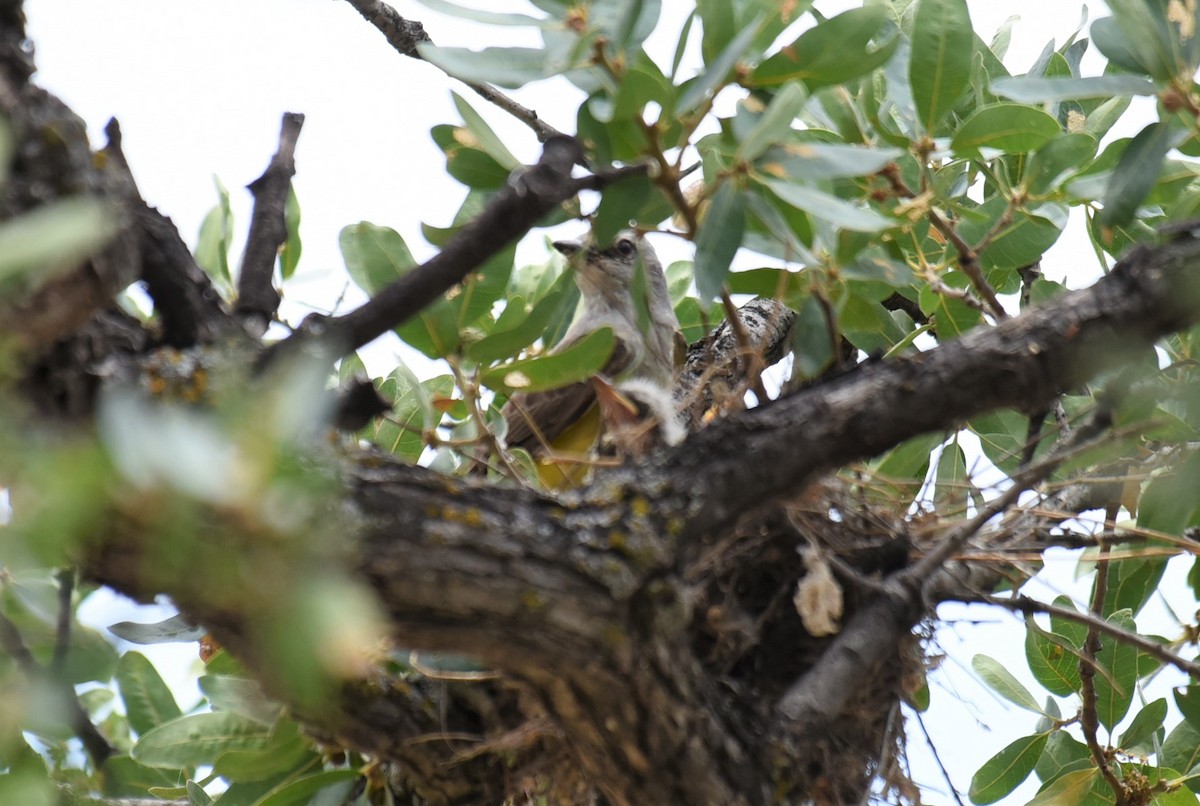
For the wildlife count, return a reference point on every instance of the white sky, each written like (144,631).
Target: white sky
(199,87)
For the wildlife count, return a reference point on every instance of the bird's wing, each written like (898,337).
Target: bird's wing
(552,410)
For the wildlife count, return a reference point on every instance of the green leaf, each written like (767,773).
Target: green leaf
(1136,173)
(216,234)
(1006,770)
(577,363)
(1031,89)
(198,739)
(1026,237)
(1052,659)
(1132,582)
(718,241)
(1181,750)
(484,138)
(718,70)
(289,253)
(303,789)
(951,316)
(172,630)
(904,467)
(952,483)
(1011,127)
(840,213)
(1001,680)
(1063,753)
(1115,685)
(288,751)
(1051,163)
(376,256)
(833,52)
(1070,789)
(1188,701)
(196,795)
(148,700)
(126,778)
(1144,725)
(467,163)
(940,66)
(412,414)
(775,123)
(502,67)
(528,325)
(817,161)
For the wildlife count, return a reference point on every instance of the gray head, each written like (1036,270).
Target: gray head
(610,270)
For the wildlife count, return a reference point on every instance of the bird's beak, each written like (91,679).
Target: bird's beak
(567,248)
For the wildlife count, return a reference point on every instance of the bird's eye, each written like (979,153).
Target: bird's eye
(625,247)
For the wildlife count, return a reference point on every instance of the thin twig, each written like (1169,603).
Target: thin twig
(405,35)
(938,758)
(1024,604)
(968,256)
(1089,720)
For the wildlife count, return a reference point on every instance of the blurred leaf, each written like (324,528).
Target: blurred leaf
(1001,680)
(1012,127)
(288,751)
(952,317)
(718,241)
(198,739)
(241,696)
(196,795)
(485,17)
(289,253)
(1188,701)
(502,67)
(1115,685)
(1132,582)
(718,70)
(1136,173)
(940,67)
(840,213)
(126,778)
(775,123)
(173,630)
(1006,770)
(1168,504)
(578,362)
(148,700)
(1144,725)
(1030,89)
(53,238)
(835,51)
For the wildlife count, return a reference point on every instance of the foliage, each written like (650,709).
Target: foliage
(897,185)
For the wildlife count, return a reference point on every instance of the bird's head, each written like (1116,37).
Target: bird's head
(610,269)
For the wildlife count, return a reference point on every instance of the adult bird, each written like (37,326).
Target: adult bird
(561,427)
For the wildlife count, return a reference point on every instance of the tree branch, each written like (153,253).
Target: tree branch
(257,298)
(510,214)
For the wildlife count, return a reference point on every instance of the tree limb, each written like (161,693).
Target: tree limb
(257,298)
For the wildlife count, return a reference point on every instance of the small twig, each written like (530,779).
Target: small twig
(404,35)
(1023,604)
(258,300)
(1089,720)
(667,178)
(968,256)
(938,758)
(62,632)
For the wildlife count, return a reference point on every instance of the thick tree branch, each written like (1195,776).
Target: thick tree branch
(257,298)
(404,35)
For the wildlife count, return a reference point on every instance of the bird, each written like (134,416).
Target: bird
(560,427)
